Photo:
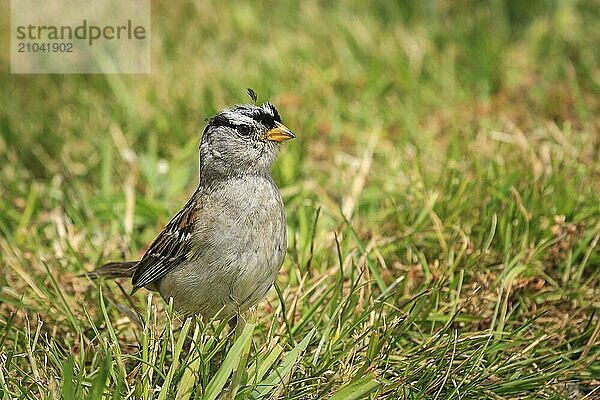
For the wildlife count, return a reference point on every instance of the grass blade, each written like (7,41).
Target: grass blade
(231,362)
(358,389)
(284,368)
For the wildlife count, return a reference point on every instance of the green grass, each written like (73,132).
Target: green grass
(443,203)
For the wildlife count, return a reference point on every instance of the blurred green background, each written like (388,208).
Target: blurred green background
(424,73)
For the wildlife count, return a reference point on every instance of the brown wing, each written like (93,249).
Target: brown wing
(169,249)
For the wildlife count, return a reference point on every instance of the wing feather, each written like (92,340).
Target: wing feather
(172,246)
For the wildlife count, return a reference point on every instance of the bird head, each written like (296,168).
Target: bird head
(242,140)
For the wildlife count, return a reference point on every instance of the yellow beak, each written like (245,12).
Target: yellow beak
(279,133)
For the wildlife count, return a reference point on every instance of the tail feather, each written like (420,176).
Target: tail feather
(111,270)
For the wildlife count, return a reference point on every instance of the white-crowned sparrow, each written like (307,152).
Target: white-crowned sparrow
(222,252)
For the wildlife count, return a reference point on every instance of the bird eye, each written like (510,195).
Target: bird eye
(243,130)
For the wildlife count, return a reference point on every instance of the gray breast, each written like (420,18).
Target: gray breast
(239,246)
